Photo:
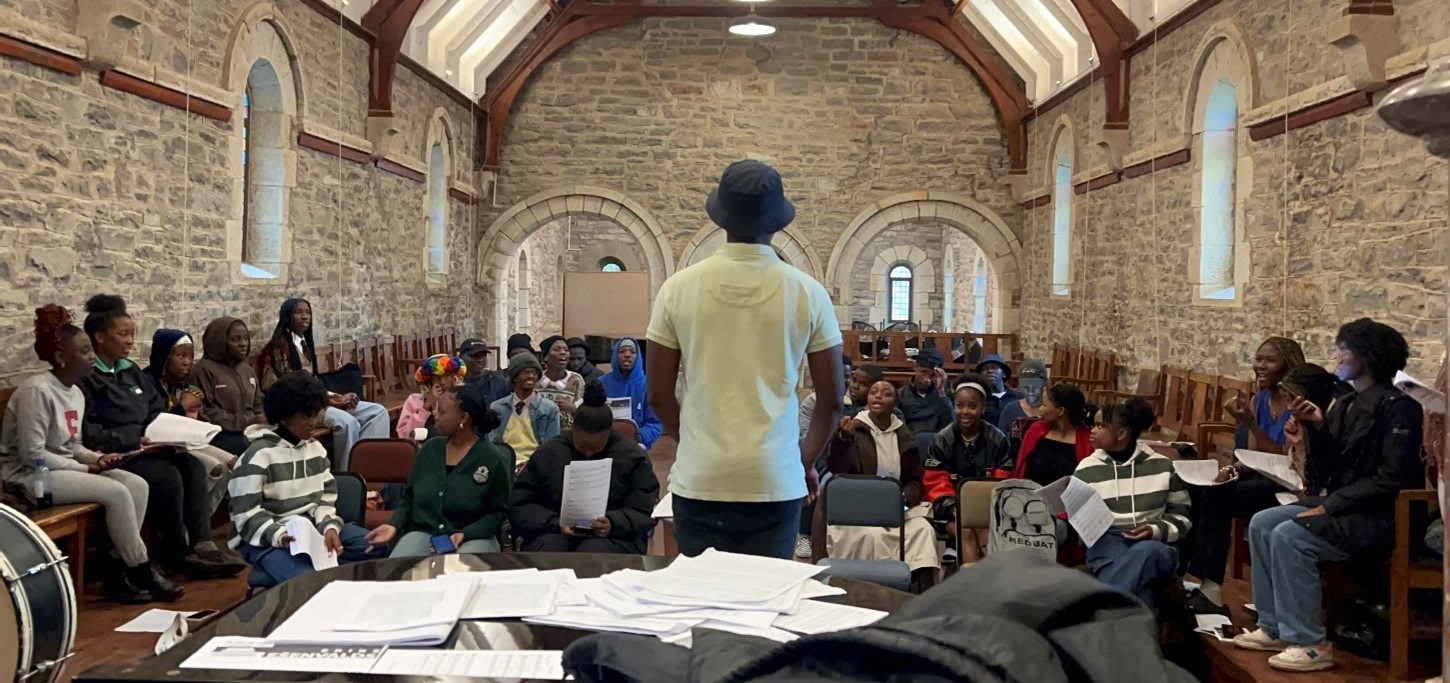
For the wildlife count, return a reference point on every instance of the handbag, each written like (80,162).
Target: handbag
(347,379)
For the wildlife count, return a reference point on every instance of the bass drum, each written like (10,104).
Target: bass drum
(38,620)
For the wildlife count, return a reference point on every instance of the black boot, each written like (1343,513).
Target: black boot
(118,586)
(160,588)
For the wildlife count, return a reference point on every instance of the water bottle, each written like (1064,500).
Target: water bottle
(40,485)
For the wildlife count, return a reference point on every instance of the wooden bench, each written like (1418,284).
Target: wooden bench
(387,362)
(67,526)
(888,349)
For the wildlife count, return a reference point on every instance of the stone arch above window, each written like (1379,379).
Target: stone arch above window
(438,153)
(792,247)
(610,264)
(262,75)
(1222,90)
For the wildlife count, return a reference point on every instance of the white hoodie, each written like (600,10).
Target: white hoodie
(888,451)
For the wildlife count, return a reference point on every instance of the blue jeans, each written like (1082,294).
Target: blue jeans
(279,564)
(1133,567)
(1287,585)
(419,544)
(366,421)
(764,529)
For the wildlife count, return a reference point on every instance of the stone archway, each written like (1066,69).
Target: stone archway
(503,238)
(976,221)
(791,245)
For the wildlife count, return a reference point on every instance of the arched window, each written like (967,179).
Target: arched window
(979,297)
(1217,194)
(609,264)
(264,173)
(949,264)
(898,293)
(522,288)
(1062,218)
(437,249)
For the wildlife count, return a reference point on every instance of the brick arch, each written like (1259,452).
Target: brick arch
(1001,248)
(503,238)
(791,244)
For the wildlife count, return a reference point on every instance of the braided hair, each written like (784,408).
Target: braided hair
(52,329)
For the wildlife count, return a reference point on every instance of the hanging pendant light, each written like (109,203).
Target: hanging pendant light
(751,25)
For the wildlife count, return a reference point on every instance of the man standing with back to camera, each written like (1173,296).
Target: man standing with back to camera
(741,322)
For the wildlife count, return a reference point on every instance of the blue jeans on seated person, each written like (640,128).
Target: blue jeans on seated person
(366,421)
(420,543)
(1133,567)
(764,529)
(280,564)
(1285,560)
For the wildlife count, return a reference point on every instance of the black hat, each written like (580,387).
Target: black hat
(574,342)
(471,346)
(929,358)
(750,200)
(520,341)
(994,358)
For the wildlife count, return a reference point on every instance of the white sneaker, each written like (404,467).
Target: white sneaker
(803,547)
(1260,641)
(1312,658)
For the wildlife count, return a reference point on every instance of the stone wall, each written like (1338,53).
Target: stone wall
(964,254)
(1341,219)
(849,111)
(573,244)
(103,191)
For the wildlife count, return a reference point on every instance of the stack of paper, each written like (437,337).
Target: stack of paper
(260,654)
(515,593)
(175,430)
(377,613)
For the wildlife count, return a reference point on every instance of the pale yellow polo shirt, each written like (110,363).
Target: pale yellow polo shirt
(743,322)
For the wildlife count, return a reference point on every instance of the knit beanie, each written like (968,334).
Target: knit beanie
(520,341)
(522,362)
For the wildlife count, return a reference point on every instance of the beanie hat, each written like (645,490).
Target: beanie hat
(520,341)
(548,342)
(523,362)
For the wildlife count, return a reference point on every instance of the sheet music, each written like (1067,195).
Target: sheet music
(814,616)
(377,613)
(1198,472)
(175,430)
(1085,509)
(503,664)
(1432,400)
(586,491)
(1276,467)
(307,541)
(512,596)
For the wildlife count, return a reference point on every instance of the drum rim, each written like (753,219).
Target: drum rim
(69,615)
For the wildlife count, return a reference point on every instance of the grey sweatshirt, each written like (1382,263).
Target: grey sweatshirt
(43,420)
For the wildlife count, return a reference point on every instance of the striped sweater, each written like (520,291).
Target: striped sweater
(276,479)
(1144,490)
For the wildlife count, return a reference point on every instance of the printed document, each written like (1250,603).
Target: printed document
(307,541)
(1198,472)
(175,430)
(416,613)
(1433,401)
(1276,467)
(586,491)
(1086,511)
(534,665)
(152,621)
(260,654)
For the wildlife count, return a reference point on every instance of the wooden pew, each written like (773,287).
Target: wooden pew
(888,349)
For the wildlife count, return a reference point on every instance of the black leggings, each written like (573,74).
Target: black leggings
(179,509)
(1218,507)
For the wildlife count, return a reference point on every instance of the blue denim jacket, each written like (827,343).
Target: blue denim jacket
(542,412)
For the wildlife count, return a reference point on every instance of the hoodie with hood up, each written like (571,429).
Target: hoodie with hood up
(231,394)
(1143,489)
(619,385)
(162,343)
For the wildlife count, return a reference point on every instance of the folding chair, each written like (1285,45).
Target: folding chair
(627,429)
(974,504)
(352,497)
(867,501)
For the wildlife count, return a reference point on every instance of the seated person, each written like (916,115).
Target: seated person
(292,349)
(474,353)
(969,448)
(1361,455)
(435,377)
(1149,502)
(231,397)
(808,404)
(121,401)
(1054,445)
(458,487)
(1261,420)
(626,379)
(1031,382)
(878,443)
(999,395)
(633,488)
(560,384)
(285,473)
(42,424)
(526,419)
(1244,493)
(923,401)
(579,360)
(172,355)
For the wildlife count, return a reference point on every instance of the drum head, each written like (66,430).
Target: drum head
(9,641)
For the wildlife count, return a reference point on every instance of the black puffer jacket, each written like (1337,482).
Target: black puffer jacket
(120,403)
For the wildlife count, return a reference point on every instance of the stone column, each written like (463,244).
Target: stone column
(1422,108)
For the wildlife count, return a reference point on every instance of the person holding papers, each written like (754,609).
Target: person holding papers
(626,378)
(968,448)
(457,494)
(1261,421)
(42,423)
(284,474)
(1362,453)
(526,419)
(539,493)
(172,355)
(1148,501)
(879,444)
(121,401)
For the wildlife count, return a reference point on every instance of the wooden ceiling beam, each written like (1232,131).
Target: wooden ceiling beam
(1113,33)
(388,20)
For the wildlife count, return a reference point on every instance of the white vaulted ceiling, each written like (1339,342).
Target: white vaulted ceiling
(1044,41)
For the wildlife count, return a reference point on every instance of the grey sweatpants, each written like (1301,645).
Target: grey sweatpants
(121,493)
(218,464)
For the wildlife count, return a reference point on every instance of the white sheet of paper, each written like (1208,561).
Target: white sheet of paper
(260,654)
(1212,624)
(1433,401)
(815,589)
(418,613)
(1198,472)
(535,665)
(511,596)
(815,616)
(665,509)
(173,634)
(1086,511)
(151,621)
(731,576)
(307,541)
(1286,498)
(599,619)
(621,408)
(1276,467)
(176,430)
(586,491)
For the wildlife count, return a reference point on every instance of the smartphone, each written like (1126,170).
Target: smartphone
(443,544)
(584,530)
